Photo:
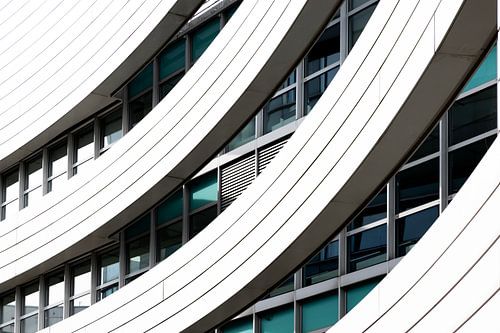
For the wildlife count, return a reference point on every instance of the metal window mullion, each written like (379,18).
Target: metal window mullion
(299,82)
(93,278)
(67,291)
(125,111)
(219,187)
(259,124)
(21,179)
(70,152)
(156,80)
(17,313)
(97,137)
(443,162)
(187,52)
(152,239)
(297,314)
(45,170)
(342,269)
(185,214)
(41,302)
(122,260)
(256,322)
(344,33)
(391,223)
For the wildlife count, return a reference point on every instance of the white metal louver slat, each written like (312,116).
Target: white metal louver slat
(235,178)
(267,154)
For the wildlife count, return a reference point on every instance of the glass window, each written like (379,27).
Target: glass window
(375,211)
(109,267)
(417,185)
(140,107)
(291,79)
(53,315)
(473,115)
(172,59)
(246,135)
(58,165)
(7,329)
(411,228)
(30,324)
(7,307)
(203,191)
(367,248)
(107,291)
(283,287)
(244,325)
(54,289)
(315,87)
(111,128)
(356,3)
(357,23)
(84,148)
(170,209)
(142,82)
(355,293)
(325,52)
(169,239)
(79,304)
(80,278)
(486,72)
(231,10)
(30,298)
(322,266)
(462,161)
(429,146)
(203,37)
(320,312)
(198,221)
(33,181)
(137,254)
(279,111)
(169,84)
(10,194)
(277,321)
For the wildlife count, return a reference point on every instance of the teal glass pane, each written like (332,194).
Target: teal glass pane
(172,59)
(138,228)
(244,325)
(356,293)
(246,135)
(320,312)
(202,38)
(170,209)
(486,72)
(142,82)
(203,191)
(278,321)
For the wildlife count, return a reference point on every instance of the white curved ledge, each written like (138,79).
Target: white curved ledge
(60,62)
(238,72)
(365,124)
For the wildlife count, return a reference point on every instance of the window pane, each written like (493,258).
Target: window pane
(375,211)
(367,248)
(355,293)
(8,308)
(173,58)
(357,23)
(417,185)
(464,160)
(169,239)
(141,226)
(142,82)
(82,168)
(291,79)
(284,287)
(54,289)
(30,299)
(79,304)
(279,111)
(84,143)
(109,267)
(170,209)
(247,134)
(486,72)
(325,52)
(200,220)
(7,329)
(80,276)
(30,324)
(356,3)
(137,254)
(410,229)
(57,182)
(58,160)
(231,10)
(277,321)
(33,173)
(203,191)
(203,37)
(473,115)
(140,107)
(33,196)
(322,266)
(314,88)
(429,146)
(320,312)
(105,292)
(10,210)
(53,315)
(111,128)
(11,186)
(169,84)
(244,325)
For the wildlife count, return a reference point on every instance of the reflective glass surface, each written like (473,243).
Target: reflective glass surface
(80,275)
(7,329)
(58,165)
(30,299)
(283,287)
(279,111)
(108,266)
(54,289)
(375,211)
(169,239)
(33,173)
(79,304)
(320,312)
(291,79)
(105,292)
(323,265)
(429,146)
(172,59)
(11,186)
(486,72)
(356,3)
(314,88)
(325,52)
(417,185)
(203,36)
(244,325)
(137,254)
(142,82)
(355,293)
(411,228)
(53,315)
(277,321)
(203,191)
(247,134)
(30,324)
(169,84)
(367,248)
(357,23)
(170,209)
(141,226)
(111,128)
(140,107)
(200,220)
(84,144)
(33,196)
(7,307)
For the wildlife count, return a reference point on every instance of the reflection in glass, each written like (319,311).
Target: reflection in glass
(11,186)
(84,144)
(279,111)
(137,254)
(169,84)
(277,320)
(7,329)
(30,299)
(33,174)
(80,275)
(375,211)
(105,292)
(314,88)
(325,52)
(367,248)
(58,166)
(283,287)
(109,266)
(30,324)
(172,59)
(247,134)
(357,23)
(169,239)
(140,107)
(203,191)
(170,209)
(411,228)
(322,266)
(200,220)
(7,308)
(429,146)
(203,37)
(142,82)
(356,3)
(111,128)
(53,315)
(79,304)
(54,289)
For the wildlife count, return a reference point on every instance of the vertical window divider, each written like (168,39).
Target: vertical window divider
(41,302)
(259,124)
(97,137)
(342,270)
(219,186)
(187,59)
(299,86)
(122,260)
(17,315)
(2,194)
(70,151)
(185,214)
(152,238)
(344,33)
(223,20)
(256,322)
(21,179)
(67,290)
(156,82)
(45,170)
(443,162)
(297,311)
(125,111)
(93,278)
(391,223)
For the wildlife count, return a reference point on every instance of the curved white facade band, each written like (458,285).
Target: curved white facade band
(61,60)
(360,131)
(250,57)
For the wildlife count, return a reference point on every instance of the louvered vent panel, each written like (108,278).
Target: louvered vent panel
(267,153)
(235,178)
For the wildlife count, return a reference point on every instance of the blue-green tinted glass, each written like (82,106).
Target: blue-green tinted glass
(140,107)
(277,321)
(356,3)
(169,84)
(170,209)
(244,325)
(203,191)
(143,81)
(138,228)
(486,72)
(279,111)
(314,88)
(198,221)
(247,134)
(283,287)
(172,59)
(411,228)
(357,23)
(137,252)
(473,115)
(169,239)
(323,265)
(320,312)
(367,248)
(202,38)
(375,211)
(356,293)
